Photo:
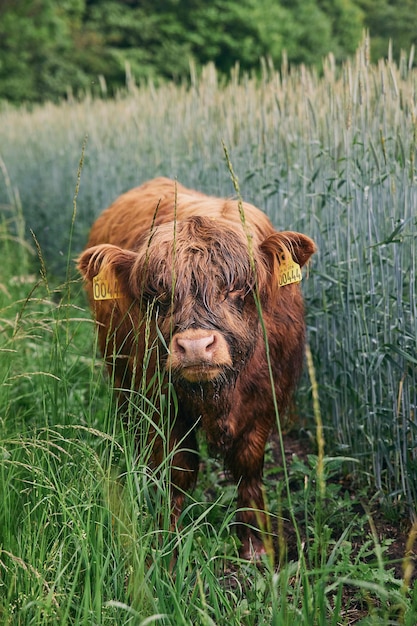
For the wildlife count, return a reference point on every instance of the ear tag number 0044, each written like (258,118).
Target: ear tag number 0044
(104,289)
(289,272)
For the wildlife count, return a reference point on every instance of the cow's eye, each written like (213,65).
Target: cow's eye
(239,293)
(153,296)
(163,300)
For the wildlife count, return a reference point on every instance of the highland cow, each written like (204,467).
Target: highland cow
(216,288)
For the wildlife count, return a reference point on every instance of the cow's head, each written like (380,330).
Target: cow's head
(203,281)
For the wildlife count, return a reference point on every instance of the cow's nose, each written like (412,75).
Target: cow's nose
(194,349)
(198,354)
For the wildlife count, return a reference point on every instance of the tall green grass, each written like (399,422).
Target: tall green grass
(85,534)
(80,539)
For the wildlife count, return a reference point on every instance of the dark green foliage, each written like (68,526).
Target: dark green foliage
(52,47)
(36,46)
(393,20)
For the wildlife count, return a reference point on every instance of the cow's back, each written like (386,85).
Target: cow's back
(162,200)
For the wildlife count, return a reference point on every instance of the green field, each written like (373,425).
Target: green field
(333,156)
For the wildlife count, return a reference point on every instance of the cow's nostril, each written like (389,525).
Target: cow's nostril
(179,345)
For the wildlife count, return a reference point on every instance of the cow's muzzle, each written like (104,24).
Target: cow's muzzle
(199,354)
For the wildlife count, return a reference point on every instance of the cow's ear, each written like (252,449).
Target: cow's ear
(299,246)
(109,261)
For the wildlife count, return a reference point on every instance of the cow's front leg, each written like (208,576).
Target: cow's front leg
(245,462)
(181,456)
(184,470)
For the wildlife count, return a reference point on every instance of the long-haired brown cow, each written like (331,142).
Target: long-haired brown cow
(201,269)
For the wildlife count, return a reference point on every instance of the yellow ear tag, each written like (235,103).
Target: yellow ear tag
(104,289)
(289,272)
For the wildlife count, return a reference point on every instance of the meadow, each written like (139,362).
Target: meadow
(331,155)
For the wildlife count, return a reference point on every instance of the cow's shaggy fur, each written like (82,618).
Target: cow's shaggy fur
(200,271)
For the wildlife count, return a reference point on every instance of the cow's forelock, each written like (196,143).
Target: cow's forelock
(199,275)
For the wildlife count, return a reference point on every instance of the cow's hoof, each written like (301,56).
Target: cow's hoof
(253,550)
